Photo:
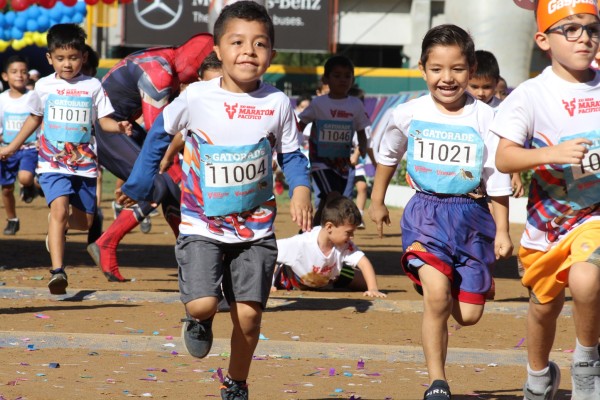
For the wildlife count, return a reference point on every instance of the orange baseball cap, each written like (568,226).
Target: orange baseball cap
(550,12)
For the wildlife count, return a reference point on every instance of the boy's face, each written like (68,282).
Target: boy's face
(67,63)
(339,80)
(339,235)
(571,57)
(245,52)
(16,75)
(501,89)
(483,88)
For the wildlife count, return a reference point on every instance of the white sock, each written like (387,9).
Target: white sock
(538,381)
(585,354)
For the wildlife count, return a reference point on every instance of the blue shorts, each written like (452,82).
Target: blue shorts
(245,269)
(80,189)
(455,235)
(22,160)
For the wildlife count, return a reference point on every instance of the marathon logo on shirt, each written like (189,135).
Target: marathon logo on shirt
(341,114)
(247,112)
(72,92)
(581,106)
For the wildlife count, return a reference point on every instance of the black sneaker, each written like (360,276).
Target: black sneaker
(12,227)
(197,336)
(234,392)
(28,193)
(438,390)
(58,282)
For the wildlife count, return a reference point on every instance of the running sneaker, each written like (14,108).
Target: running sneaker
(197,336)
(585,377)
(550,391)
(234,392)
(28,193)
(117,208)
(12,227)
(146,225)
(438,390)
(58,282)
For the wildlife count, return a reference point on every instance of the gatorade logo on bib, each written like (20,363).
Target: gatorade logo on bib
(68,119)
(12,124)
(444,158)
(334,138)
(582,180)
(235,179)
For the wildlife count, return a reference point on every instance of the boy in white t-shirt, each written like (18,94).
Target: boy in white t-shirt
(68,104)
(550,124)
(227,205)
(326,257)
(20,166)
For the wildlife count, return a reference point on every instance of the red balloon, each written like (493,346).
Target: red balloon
(122,1)
(20,5)
(108,1)
(69,3)
(47,3)
(2,3)
(91,2)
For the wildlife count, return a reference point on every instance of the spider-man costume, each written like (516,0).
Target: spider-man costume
(142,84)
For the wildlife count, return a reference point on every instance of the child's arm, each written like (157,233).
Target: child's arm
(512,157)
(32,122)
(378,212)
(517,184)
(109,125)
(175,147)
(354,156)
(362,142)
(503,246)
(296,170)
(368,272)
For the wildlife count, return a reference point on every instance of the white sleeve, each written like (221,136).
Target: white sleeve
(176,115)
(289,136)
(393,140)
(514,117)
(496,182)
(34,104)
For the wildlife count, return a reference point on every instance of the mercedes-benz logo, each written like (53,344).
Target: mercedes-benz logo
(158,14)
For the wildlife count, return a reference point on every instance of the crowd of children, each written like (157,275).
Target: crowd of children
(227,249)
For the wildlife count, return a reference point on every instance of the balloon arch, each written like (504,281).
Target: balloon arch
(25,22)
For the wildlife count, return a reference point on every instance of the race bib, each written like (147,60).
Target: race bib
(68,119)
(583,179)
(334,138)
(444,158)
(12,124)
(234,179)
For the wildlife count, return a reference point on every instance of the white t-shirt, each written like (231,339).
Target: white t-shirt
(315,269)
(219,127)
(70,109)
(327,113)
(538,113)
(436,139)
(13,113)
(494,102)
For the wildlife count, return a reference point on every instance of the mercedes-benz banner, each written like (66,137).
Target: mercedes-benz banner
(305,25)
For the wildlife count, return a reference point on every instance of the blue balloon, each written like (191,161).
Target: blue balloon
(1,19)
(80,7)
(32,25)
(33,11)
(77,18)
(56,13)
(20,22)
(16,33)
(43,23)
(9,18)
(6,36)
(65,19)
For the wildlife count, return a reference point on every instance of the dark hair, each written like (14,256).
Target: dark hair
(210,62)
(66,36)
(340,210)
(248,11)
(448,35)
(14,59)
(337,61)
(90,67)
(487,65)
(302,97)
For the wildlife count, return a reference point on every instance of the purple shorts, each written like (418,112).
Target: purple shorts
(456,235)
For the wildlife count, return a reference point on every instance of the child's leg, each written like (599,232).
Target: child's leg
(8,199)
(584,284)
(203,308)
(437,304)
(57,224)
(541,330)
(80,220)
(26,178)
(467,314)
(246,318)
(361,194)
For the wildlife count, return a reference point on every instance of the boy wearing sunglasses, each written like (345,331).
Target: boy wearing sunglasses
(551,124)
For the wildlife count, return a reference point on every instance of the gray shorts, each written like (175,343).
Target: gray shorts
(244,269)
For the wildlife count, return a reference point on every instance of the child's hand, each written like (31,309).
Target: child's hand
(301,208)
(374,293)
(517,185)
(503,246)
(125,127)
(380,215)
(165,164)
(6,152)
(569,152)
(123,199)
